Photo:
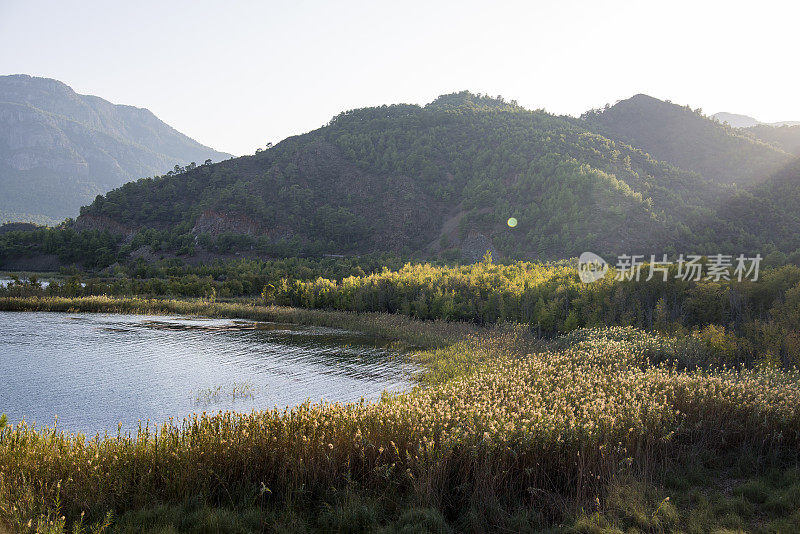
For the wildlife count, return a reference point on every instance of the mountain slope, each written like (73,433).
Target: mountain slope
(442,179)
(769,208)
(688,139)
(59,149)
(786,138)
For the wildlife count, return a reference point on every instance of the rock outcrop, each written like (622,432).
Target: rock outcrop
(215,223)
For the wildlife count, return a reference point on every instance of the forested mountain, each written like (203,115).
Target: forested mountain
(59,149)
(780,217)
(442,179)
(786,138)
(688,139)
(782,135)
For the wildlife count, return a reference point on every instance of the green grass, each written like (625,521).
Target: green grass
(350,512)
(733,492)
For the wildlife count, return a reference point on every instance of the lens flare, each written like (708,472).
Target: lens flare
(512,222)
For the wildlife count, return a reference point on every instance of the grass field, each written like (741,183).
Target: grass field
(600,430)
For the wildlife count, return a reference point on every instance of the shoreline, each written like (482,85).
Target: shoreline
(413,333)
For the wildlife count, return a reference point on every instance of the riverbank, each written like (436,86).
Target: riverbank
(419,334)
(592,432)
(436,346)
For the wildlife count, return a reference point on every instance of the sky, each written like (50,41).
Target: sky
(235,75)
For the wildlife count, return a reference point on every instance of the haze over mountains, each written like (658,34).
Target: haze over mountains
(744,121)
(59,149)
(783,135)
(642,176)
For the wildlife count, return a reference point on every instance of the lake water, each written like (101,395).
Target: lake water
(95,371)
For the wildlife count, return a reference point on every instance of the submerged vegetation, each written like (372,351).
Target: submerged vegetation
(234,391)
(390,327)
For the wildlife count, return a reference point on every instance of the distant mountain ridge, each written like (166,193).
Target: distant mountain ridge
(736,120)
(783,135)
(59,149)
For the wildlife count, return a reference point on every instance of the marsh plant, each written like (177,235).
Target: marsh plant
(227,392)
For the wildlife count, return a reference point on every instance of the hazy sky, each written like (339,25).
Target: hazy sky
(235,75)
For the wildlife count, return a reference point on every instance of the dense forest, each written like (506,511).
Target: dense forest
(689,139)
(786,138)
(413,179)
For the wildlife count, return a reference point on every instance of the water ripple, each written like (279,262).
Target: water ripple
(97,370)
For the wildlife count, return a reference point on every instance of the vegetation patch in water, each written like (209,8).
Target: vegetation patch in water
(213,395)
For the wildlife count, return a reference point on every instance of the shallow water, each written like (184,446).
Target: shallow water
(95,371)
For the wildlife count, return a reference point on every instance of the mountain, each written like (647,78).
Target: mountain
(784,135)
(735,120)
(786,138)
(767,209)
(744,121)
(442,179)
(59,149)
(688,139)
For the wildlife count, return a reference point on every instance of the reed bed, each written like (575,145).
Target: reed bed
(547,429)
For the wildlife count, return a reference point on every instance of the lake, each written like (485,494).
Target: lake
(96,371)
